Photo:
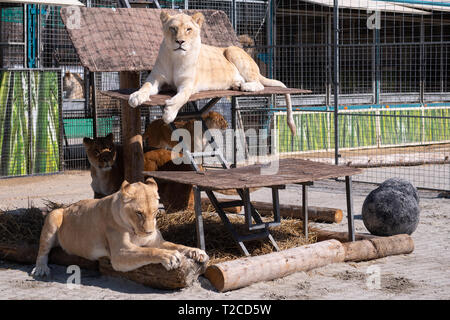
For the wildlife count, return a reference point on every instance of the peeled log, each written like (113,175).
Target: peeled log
(323,235)
(156,276)
(378,247)
(239,273)
(318,214)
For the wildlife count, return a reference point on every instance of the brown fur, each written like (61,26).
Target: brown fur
(174,196)
(248,44)
(106,161)
(158,134)
(73,85)
(121,227)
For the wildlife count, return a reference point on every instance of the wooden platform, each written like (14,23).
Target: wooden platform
(159,99)
(276,177)
(290,171)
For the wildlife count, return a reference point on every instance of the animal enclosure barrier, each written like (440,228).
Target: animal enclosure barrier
(30,121)
(392,69)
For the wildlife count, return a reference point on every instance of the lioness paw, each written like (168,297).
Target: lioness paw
(252,86)
(171,260)
(41,270)
(137,98)
(169,115)
(197,254)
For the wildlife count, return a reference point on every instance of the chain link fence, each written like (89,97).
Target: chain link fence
(378,72)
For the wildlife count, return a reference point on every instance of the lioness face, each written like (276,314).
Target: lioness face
(140,206)
(101,152)
(181,32)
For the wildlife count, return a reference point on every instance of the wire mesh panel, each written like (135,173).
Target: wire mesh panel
(12,36)
(389,61)
(30,122)
(78,118)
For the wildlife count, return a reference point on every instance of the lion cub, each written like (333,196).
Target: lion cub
(158,134)
(106,161)
(121,226)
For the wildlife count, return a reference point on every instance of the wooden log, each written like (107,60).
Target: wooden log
(378,247)
(318,214)
(153,275)
(27,254)
(156,276)
(239,273)
(323,235)
(133,152)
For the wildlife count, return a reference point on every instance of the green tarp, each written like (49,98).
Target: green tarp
(29,122)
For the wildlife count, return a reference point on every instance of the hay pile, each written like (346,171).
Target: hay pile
(180,228)
(24,226)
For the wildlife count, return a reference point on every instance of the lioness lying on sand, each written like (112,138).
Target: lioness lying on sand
(121,226)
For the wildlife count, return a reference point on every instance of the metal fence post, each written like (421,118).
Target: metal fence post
(233,15)
(336,80)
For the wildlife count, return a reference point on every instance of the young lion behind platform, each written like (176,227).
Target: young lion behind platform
(106,161)
(189,66)
(158,134)
(121,227)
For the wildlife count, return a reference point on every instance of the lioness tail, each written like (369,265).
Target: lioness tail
(275,83)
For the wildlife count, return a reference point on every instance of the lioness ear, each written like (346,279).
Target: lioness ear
(124,189)
(198,18)
(87,141)
(124,185)
(151,182)
(164,16)
(110,137)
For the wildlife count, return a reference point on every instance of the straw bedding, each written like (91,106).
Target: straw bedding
(24,226)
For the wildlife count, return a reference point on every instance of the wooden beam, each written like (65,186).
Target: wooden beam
(133,152)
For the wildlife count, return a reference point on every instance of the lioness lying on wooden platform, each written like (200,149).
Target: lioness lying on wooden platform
(121,226)
(188,66)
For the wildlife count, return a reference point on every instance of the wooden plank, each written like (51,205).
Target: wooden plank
(290,171)
(133,152)
(159,99)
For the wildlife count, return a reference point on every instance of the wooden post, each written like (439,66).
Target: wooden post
(133,153)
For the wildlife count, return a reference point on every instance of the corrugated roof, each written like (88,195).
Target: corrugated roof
(371,5)
(50,2)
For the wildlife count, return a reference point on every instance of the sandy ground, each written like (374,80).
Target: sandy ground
(424,274)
